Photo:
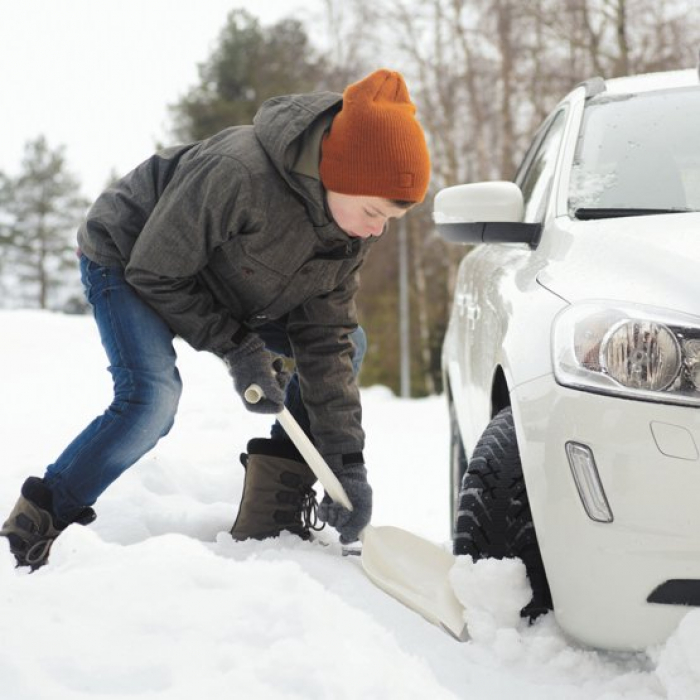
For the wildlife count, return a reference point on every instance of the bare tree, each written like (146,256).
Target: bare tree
(484,75)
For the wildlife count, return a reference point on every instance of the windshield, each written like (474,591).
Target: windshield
(638,152)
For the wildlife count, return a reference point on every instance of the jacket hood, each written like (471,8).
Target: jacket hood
(290,129)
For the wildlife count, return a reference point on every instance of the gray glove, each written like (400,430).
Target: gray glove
(250,363)
(349,524)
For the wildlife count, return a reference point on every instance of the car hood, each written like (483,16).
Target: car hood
(653,260)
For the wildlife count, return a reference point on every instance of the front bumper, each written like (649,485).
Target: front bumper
(647,455)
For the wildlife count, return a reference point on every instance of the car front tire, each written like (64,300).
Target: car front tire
(493,517)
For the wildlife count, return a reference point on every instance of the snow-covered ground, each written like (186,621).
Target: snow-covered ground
(156,601)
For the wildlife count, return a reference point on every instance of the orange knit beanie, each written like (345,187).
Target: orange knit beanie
(375,146)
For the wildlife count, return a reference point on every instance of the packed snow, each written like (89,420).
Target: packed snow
(156,601)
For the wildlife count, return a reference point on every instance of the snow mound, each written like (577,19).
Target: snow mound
(492,591)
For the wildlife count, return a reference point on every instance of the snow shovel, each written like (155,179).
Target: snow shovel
(413,570)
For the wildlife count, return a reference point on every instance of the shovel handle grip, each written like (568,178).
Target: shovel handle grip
(313,457)
(253,394)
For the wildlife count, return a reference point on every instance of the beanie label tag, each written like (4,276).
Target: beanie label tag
(406,180)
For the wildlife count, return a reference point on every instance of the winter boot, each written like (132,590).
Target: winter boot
(277,493)
(32,528)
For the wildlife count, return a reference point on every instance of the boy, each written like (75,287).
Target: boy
(245,244)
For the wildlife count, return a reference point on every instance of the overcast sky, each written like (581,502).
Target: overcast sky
(97,76)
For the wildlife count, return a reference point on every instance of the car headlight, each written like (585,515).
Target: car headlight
(634,351)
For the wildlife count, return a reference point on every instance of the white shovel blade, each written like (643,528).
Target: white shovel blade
(415,572)
(409,568)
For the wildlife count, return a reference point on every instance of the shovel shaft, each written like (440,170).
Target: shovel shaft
(313,457)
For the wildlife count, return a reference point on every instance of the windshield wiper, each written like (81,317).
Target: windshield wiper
(616,213)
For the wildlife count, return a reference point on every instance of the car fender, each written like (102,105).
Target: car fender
(502,317)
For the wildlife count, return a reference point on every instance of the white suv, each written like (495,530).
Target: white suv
(572,361)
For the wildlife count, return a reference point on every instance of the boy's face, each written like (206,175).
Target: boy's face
(360,216)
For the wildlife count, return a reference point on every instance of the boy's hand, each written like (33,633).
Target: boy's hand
(349,524)
(250,363)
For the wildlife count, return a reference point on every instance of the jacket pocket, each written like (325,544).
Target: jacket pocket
(235,274)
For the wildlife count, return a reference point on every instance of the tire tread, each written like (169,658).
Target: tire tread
(494,518)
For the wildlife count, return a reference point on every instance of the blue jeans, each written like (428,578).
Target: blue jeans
(147,389)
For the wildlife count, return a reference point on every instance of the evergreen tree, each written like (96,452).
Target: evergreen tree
(250,64)
(4,236)
(39,212)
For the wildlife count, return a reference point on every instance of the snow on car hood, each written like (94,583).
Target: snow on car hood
(652,260)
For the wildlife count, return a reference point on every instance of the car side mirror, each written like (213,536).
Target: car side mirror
(483,212)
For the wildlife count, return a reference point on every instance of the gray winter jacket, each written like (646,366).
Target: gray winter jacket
(234,230)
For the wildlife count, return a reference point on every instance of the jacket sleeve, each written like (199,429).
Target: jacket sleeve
(319,331)
(204,204)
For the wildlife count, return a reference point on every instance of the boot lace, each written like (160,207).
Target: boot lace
(309,510)
(38,553)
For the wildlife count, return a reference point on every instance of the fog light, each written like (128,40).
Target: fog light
(588,483)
